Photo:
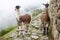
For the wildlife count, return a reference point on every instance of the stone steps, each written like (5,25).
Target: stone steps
(34,30)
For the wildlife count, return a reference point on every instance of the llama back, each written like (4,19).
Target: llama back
(26,18)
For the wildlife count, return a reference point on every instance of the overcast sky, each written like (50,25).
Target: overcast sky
(7,9)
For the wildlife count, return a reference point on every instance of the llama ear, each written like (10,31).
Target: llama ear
(46,5)
(43,4)
(15,9)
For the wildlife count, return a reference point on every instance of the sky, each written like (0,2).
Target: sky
(7,9)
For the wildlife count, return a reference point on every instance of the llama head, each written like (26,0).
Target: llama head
(17,8)
(46,5)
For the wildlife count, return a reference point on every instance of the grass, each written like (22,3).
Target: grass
(4,31)
(6,36)
(7,32)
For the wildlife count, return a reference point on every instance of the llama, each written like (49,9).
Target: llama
(45,19)
(22,20)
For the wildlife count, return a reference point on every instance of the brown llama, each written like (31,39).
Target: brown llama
(22,20)
(45,19)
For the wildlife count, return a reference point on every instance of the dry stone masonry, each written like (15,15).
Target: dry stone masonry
(54,13)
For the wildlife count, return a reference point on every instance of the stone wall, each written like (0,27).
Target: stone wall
(54,13)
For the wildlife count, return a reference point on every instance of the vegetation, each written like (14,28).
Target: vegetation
(4,31)
(36,12)
(7,36)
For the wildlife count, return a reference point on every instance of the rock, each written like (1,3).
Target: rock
(34,33)
(27,38)
(37,26)
(34,37)
(18,39)
(54,16)
(58,25)
(44,38)
(14,35)
(28,33)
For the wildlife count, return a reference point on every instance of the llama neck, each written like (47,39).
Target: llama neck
(46,10)
(17,14)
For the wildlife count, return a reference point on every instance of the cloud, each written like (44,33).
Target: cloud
(7,9)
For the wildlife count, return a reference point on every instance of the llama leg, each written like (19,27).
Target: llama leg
(46,26)
(48,30)
(23,27)
(44,29)
(27,26)
(41,27)
(19,28)
(18,31)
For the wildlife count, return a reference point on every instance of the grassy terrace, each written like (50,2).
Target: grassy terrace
(7,35)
